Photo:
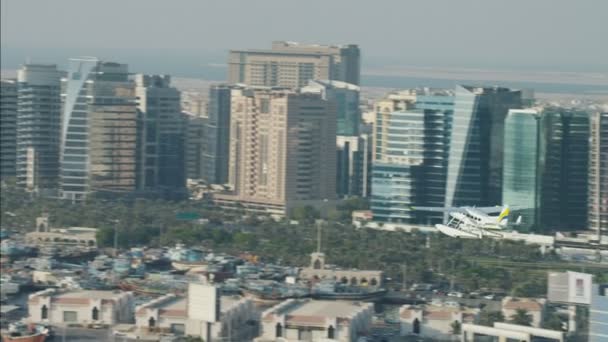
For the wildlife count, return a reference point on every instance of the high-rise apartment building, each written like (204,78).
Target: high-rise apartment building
(476,145)
(39,127)
(292,65)
(99,129)
(8,128)
(598,172)
(410,155)
(217,135)
(282,150)
(161,137)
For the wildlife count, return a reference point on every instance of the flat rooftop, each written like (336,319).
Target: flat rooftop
(89,294)
(324,308)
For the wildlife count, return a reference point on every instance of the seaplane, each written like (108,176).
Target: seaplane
(473,222)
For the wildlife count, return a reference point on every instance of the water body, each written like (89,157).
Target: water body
(411,82)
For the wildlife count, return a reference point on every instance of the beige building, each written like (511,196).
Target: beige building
(290,64)
(534,307)
(598,172)
(80,307)
(45,236)
(509,332)
(319,271)
(435,321)
(316,320)
(202,313)
(282,150)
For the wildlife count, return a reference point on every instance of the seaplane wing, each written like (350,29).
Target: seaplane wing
(485,210)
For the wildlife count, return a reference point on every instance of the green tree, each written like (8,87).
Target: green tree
(488,318)
(521,317)
(456,328)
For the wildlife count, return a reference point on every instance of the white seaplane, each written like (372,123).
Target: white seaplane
(473,222)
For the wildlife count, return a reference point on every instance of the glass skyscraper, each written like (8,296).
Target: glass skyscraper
(476,145)
(545,167)
(410,158)
(99,129)
(8,128)
(161,136)
(523,160)
(216,145)
(39,127)
(346,98)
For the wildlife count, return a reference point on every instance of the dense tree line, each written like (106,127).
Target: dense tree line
(417,257)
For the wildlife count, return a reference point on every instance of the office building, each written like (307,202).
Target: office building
(598,313)
(598,172)
(217,135)
(194,142)
(316,320)
(8,128)
(475,157)
(80,307)
(39,128)
(523,164)
(282,150)
(161,136)
(292,65)
(566,171)
(346,98)
(543,150)
(410,155)
(354,165)
(99,129)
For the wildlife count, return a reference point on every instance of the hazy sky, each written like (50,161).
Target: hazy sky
(550,34)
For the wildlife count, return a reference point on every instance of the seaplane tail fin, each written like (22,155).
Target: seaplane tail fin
(503,218)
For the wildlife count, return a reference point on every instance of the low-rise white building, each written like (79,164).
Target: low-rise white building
(535,307)
(80,307)
(316,320)
(433,321)
(230,318)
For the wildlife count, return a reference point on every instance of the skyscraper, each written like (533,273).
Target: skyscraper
(99,129)
(217,135)
(195,136)
(354,165)
(523,165)
(282,150)
(410,155)
(39,127)
(162,136)
(8,128)
(544,149)
(290,64)
(476,145)
(598,172)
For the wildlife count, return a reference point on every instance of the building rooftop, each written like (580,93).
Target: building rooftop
(528,304)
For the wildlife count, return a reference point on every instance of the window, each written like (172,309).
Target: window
(331,332)
(44,312)
(178,329)
(95,314)
(70,316)
(279,330)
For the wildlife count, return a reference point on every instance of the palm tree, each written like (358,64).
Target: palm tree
(521,317)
